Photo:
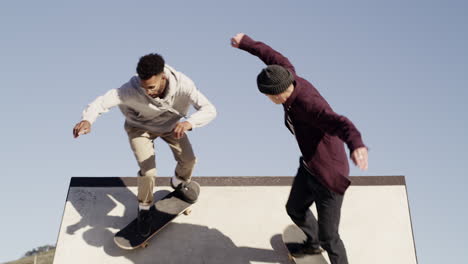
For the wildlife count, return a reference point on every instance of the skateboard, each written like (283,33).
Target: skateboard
(163,212)
(292,234)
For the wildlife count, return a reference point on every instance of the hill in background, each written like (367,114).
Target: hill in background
(44,255)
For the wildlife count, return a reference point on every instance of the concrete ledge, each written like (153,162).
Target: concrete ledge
(229,181)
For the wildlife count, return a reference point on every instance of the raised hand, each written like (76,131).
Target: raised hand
(236,40)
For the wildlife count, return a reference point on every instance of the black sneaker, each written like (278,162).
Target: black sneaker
(301,249)
(144,222)
(187,191)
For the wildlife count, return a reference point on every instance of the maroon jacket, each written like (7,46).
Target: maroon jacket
(319,131)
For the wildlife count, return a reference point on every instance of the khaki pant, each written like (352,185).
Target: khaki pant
(142,144)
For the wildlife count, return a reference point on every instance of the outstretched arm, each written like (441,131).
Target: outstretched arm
(99,106)
(264,52)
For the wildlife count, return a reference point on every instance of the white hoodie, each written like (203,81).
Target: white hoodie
(155,114)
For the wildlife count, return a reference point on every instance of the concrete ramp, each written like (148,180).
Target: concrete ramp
(236,220)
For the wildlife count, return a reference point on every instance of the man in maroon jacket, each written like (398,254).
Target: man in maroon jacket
(323,171)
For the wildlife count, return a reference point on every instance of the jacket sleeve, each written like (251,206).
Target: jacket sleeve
(336,125)
(206,111)
(100,105)
(264,52)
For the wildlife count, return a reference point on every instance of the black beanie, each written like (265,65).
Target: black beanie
(274,79)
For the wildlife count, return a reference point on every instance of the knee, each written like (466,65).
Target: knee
(147,167)
(150,172)
(292,211)
(188,161)
(328,237)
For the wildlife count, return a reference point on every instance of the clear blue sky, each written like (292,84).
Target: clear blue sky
(397,69)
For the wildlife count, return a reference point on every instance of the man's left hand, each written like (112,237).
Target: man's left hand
(180,129)
(360,158)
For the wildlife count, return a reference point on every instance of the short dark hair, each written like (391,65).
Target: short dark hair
(150,65)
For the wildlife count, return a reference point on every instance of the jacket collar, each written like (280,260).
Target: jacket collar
(292,97)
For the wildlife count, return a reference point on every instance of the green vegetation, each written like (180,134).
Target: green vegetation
(45,257)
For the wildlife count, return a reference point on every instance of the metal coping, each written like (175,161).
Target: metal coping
(229,181)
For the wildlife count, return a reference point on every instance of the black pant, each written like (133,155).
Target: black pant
(306,190)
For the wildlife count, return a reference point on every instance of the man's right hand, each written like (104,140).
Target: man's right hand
(82,128)
(236,40)
(360,158)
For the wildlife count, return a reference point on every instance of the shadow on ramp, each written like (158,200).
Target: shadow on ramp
(186,243)
(177,243)
(95,207)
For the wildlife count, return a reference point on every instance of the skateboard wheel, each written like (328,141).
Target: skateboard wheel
(145,245)
(187,212)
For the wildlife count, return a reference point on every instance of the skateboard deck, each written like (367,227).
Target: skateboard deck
(163,212)
(292,234)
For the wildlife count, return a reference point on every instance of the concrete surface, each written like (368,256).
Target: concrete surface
(230,224)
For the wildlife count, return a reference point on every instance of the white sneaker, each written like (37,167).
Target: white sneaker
(175,182)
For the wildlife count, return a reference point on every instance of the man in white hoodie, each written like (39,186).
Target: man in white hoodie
(153,103)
